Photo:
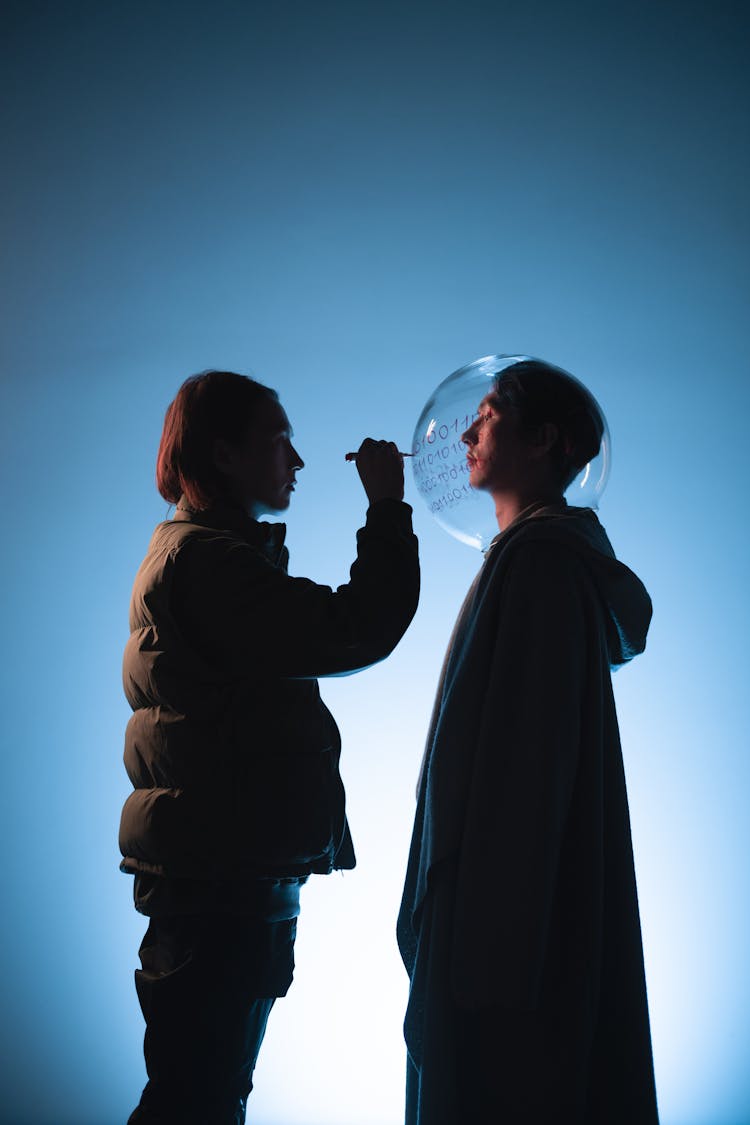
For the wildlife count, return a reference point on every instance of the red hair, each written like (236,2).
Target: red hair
(207,407)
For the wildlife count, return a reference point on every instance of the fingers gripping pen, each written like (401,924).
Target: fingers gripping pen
(353,456)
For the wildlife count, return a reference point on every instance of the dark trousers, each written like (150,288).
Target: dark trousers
(206,987)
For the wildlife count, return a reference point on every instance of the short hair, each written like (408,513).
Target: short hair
(208,406)
(536,393)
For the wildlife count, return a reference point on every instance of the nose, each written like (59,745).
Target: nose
(297,462)
(469,437)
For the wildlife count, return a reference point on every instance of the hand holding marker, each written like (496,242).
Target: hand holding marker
(353,456)
(380,465)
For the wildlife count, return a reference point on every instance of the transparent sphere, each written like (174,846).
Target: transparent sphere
(439,456)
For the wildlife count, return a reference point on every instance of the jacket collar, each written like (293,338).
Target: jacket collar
(532,510)
(225,516)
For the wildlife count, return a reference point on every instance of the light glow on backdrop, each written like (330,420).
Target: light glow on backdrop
(349,201)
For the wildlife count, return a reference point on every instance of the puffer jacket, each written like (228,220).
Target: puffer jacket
(233,756)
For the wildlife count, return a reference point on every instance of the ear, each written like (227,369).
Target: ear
(223,456)
(544,439)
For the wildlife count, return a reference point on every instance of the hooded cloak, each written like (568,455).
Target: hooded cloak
(520,905)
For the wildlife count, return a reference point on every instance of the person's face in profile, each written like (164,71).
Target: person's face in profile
(497,454)
(262,468)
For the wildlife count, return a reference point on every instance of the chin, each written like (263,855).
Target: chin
(270,507)
(282,502)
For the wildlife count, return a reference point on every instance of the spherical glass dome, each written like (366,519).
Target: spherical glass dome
(439,456)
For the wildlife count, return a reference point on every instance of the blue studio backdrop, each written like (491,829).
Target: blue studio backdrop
(349,201)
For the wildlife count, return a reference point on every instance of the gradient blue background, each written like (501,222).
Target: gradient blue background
(350,200)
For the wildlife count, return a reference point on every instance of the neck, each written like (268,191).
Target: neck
(234,497)
(509,506)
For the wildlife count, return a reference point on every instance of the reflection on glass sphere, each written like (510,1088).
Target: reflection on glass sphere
(439,462)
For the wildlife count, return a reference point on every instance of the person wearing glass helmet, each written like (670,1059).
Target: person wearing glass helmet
(519,924)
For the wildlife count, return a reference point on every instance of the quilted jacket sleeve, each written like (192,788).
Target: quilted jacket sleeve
(248,617)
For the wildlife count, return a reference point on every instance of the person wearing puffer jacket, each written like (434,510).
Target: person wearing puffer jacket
(234,759)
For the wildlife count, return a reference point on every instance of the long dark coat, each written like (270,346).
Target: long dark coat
(520,913)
